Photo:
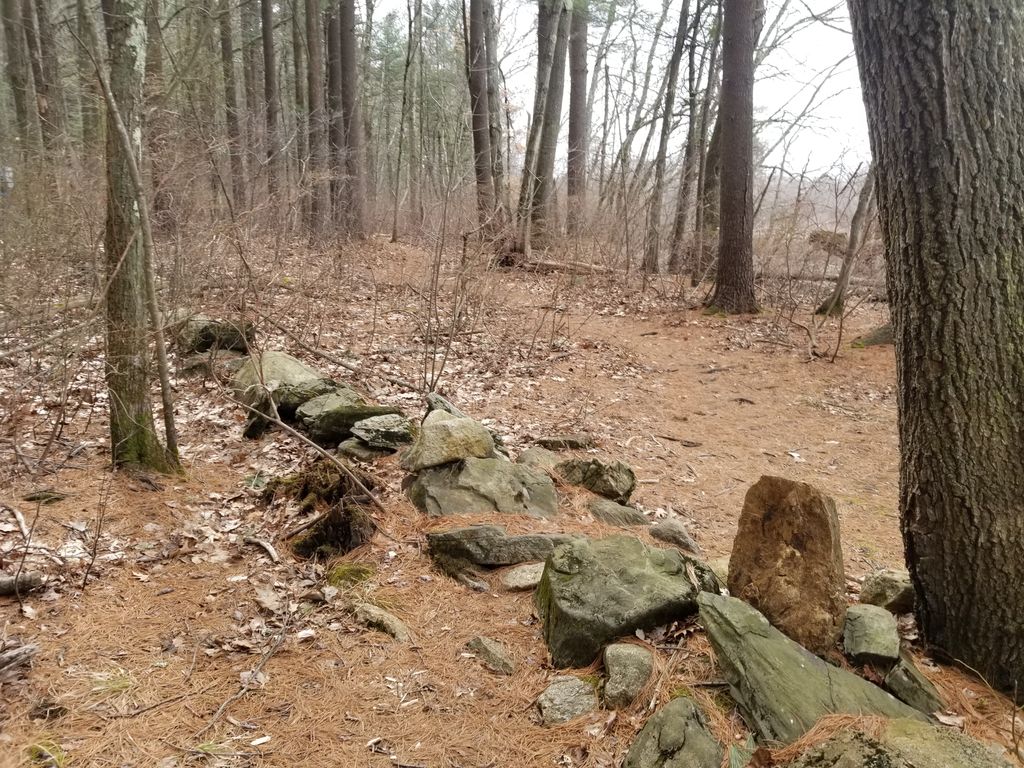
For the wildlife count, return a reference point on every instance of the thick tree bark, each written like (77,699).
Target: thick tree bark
(133,439)
(317,115)
(859,227)
(18,73)
(271,98)
(944,89)
(545,215)
(476,64)
(579,118)
(232,121)
(351,95)
(734,284)
(652,245)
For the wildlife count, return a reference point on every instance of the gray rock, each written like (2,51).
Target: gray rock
(577,441)
(628,667)
(201,333)
(906,682)
(890,589)
(492,654)
(720,566)
(354,448)
(593,592)
(477,486)
(538,458)
(676,736)
(289,381)
(613,480)
(781,688)
(329,418)
(390,431)
(787,561)
(377,618)
(902,743)
(672,531)
(444,438)
(870,636)
(522,577)
(613,513)
(490,545)
(565,699)
(218,364)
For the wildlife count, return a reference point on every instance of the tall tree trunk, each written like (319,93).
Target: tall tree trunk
(944,90)
(56,112)
(317,114)
(299,92)
(859,227)
(335,118)
(476,65)
(18,74)
(494,112)
(90,99)
(652,245)
(154,122)
(579,118)
(252,77)
(415,112)
(545,214)
(133,439)
(231,112)
(270,98)
(350,98)
(734,284)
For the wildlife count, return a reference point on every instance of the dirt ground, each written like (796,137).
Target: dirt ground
(189,646)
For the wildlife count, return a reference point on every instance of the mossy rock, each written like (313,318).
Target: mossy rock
(345,575)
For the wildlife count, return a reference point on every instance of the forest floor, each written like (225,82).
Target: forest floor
(189,646)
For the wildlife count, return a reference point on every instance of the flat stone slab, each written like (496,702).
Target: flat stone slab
(570,441)
(492,655)
(908,684)
(491,546)
(595,591)
(522,578)
(783,689)
(477,486)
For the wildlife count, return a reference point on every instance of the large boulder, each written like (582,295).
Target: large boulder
(788,563)
(201,333)
(611,479)
(330,418)
(676,736)
(593,592)
(890,589)
(491,546)
(290,382)
(477,486)
(445,438)
(782,689)
(902,744)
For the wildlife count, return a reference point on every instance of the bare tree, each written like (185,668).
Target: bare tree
(350,98)
(18,73)
(579,118)
(231,112)
(270,97)
(734,283)
(317,117)
(476,74)
(859,228)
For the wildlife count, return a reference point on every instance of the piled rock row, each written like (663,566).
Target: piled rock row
(329,412)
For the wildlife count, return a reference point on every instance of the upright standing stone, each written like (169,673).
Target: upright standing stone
(788,563)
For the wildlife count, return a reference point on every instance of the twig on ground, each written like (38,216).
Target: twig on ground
(265,545)
(94,550)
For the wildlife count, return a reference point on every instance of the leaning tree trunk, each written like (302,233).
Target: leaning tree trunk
(944,89)
(734,283)
(859,227)
(476,64)
(133,439)
(579,119)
